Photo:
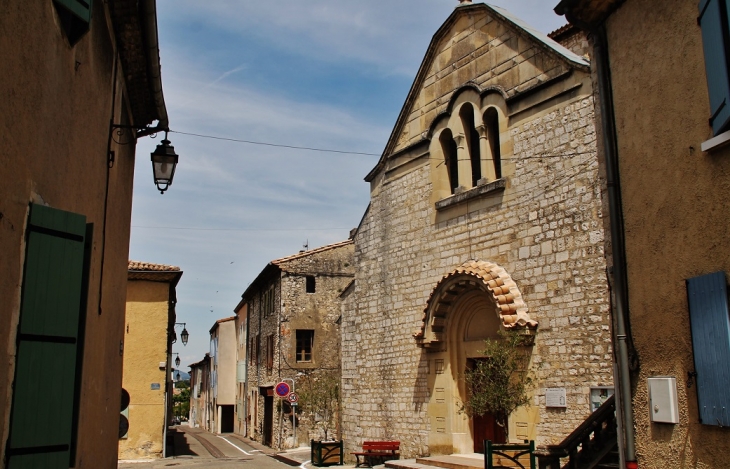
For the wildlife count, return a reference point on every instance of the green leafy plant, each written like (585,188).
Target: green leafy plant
(319,398)
(499,383)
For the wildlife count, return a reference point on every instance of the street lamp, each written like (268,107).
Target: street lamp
(177,359)
(164,161)
(183,335)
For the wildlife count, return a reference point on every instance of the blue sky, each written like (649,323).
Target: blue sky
(327,74)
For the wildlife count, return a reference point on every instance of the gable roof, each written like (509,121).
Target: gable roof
(153,272)
(520,27)
(279,265)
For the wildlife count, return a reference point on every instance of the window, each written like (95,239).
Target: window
(267,302)
(270,351)
(305,341)
(472,142)
(716,42)
(448,146)
(491,122)
(311,285)
(710,326)
(257,353)
(75,16)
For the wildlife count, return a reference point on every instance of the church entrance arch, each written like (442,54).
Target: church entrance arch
(470,304)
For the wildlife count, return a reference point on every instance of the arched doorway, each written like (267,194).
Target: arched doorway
(468,305)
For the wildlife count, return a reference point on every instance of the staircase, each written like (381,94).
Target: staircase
(593,445)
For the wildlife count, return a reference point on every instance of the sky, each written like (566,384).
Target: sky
(323,74)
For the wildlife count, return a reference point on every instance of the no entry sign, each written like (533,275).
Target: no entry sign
(282,389)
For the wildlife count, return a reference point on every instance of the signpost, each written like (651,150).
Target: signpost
(282,389)
(293,398)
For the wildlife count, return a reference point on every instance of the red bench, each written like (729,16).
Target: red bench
(376,452)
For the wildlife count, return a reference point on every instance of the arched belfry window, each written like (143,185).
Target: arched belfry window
(448,146)
(472,142)
(491,122)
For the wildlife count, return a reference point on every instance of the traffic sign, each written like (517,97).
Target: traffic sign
(293,398)
(282,389)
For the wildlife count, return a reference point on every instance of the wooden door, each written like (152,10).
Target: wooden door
(486,428)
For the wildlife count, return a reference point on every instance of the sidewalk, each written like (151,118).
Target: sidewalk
(293,457)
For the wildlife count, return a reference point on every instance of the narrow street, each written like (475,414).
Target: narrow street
(195,447)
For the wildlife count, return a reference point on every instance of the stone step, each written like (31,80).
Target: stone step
(453,462)
(405,464)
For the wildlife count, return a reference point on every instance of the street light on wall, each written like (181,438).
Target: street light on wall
(177,359)
(183,335)
(164,162)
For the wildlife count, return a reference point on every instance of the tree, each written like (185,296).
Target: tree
(499,383)
(181,400)
(319,398)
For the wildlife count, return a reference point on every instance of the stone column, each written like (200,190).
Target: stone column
(487,161)
(463,162)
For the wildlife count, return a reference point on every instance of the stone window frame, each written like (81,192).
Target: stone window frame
(304,342)
(493,178)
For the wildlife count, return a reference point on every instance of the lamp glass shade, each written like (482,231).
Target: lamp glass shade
(184,336)
(164,162)
(177,360)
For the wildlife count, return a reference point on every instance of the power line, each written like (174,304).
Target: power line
(190,228)
(252,142)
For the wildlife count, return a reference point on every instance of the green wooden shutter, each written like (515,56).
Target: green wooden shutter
(44,389)
(79,8)
(713,20)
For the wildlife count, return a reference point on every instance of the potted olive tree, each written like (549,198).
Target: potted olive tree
(319,398)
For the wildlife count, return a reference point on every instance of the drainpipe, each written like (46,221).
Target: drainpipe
(619,273)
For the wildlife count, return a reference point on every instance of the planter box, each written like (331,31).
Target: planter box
(326,453)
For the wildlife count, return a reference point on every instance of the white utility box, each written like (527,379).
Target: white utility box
(663,407)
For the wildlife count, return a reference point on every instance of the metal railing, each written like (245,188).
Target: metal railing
(512,452)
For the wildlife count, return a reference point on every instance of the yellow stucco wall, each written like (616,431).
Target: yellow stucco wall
(56,103)
(145,349)
(675,208)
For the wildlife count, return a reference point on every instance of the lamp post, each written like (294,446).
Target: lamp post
(164,162)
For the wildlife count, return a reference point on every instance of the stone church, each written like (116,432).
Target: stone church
(485,215)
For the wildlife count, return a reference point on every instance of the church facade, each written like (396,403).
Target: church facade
(485,215)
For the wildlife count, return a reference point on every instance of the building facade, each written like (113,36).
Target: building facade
(667,163)
(147,378)
(485,216)
(293,334)
(199,392)
(223,375)
(242,415)
(70,69)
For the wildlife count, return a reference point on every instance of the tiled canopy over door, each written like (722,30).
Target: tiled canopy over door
(45,387)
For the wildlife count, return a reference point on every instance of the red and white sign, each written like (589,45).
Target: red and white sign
(293,397)
(282,389)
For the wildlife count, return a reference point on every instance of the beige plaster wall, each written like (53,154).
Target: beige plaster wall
(226,363)
(56,103)
(676,201)
(544,228)
(146,348)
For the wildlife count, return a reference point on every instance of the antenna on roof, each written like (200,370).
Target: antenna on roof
(305,246)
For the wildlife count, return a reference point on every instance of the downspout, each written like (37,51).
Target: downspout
(618,250)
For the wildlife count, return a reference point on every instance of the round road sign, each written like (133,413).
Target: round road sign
(282,389)
(293,398)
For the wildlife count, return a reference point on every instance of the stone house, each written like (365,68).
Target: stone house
(293,318)
(485,215)
(200,412)
(223,375)
(147,378)
(663,70)
(70,70)
(242,422)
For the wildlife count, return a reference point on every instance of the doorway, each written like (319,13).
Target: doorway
(267,436)
(485,427)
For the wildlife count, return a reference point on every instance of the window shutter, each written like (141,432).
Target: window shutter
(713,40)
(79,8)
(46,365)
(708,311)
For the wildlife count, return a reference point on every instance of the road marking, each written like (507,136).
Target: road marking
(239,449)
(304,464)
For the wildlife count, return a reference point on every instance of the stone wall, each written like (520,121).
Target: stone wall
(541,222)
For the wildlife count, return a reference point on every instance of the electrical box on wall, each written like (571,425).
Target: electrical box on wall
(663,407)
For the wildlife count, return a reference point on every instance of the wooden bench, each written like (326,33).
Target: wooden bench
(376,452)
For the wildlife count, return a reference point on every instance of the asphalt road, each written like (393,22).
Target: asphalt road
(194,447)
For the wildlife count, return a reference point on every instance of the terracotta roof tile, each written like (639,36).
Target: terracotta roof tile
(150,267)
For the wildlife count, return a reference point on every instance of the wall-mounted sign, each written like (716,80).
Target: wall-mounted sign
(155,386)
(555,397)
(599,395)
